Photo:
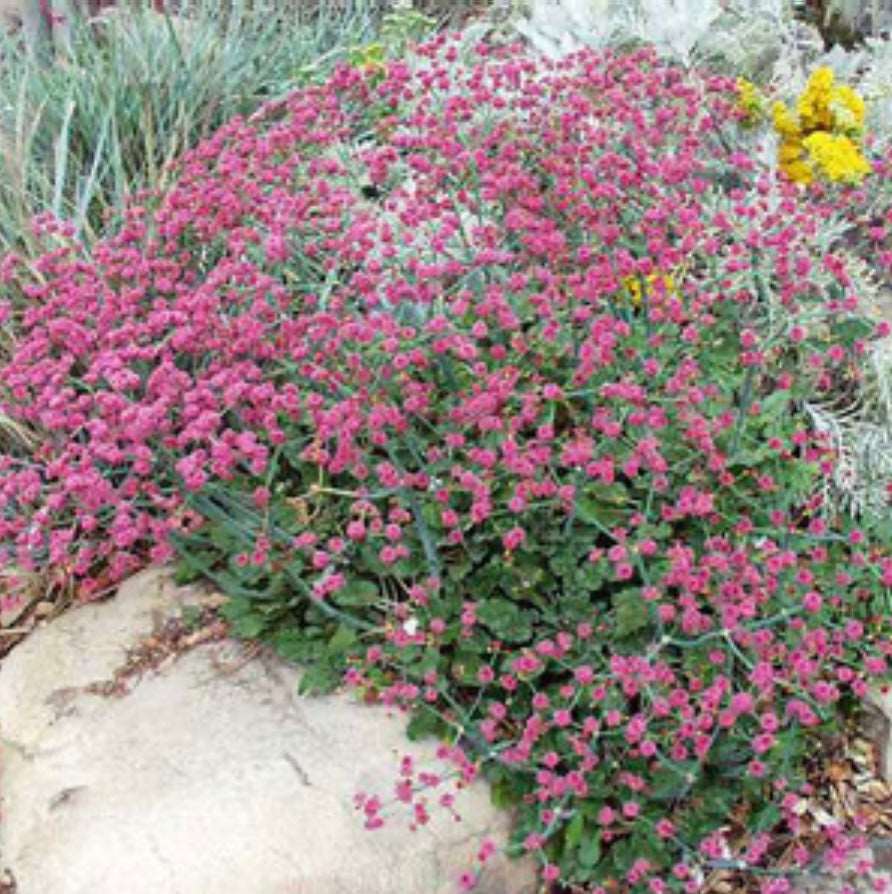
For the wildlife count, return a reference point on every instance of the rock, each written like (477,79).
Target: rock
(854,881)
(202,781)
(879,700)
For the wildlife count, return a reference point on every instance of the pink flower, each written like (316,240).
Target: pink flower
(562,718)
(763,742)
(756,768)
(356,530)
(664,828)
(606,816)
(467,881)
(513,538)
(812,602)
(551,872)
(631,809)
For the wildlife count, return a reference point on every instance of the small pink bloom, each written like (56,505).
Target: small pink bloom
(513,538)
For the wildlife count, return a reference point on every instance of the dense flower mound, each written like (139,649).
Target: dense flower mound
(483,383)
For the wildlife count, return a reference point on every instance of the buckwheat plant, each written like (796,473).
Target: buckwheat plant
(481,389)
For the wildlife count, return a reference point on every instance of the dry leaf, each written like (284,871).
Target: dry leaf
(838,771)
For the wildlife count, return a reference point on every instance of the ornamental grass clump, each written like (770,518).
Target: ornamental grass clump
(132,90)
(369,367)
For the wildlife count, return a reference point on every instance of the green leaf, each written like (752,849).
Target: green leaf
(505,620)
(344,637)
(248,626)
(717,799)
(191,615)
(458,570)
(644,843)
(357,593)
(632,612)
(465,666)
(590,849)
(370,560)
(425,724)
(775,404)
(431,515)
(851,329)
(590,576)
(766,818)
(186,573)
(602,505)
(245,622)
(299,647)
(752,458)
(503,794)
(667,784)
(573,832)
(318,679)
(727,755)
(487,579)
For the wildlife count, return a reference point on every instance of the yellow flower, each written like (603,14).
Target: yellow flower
(847,108)
(813,106)
(791,159)
(798,171)
(632,288)
(821,80)
(784,123)
(836,157)
(790,150)
(823,138)
(654,284)
(750,101)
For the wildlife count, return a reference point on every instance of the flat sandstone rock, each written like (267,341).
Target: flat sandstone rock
(199,781)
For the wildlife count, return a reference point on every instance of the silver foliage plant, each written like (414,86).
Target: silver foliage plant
(752,38)
(763,41)
(860,426)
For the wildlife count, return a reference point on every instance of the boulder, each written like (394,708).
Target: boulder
(879,727)
(209,774)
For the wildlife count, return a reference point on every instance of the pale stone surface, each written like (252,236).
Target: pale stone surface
(855,880)
(202,782)
(880,698)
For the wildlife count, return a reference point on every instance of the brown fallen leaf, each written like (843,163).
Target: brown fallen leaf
(837,771)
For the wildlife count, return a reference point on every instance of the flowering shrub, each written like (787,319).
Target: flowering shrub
(366,368)
(824,137)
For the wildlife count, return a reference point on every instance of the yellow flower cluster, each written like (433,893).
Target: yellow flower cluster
(835,156)
(824,136)
(635,289)
(749,99)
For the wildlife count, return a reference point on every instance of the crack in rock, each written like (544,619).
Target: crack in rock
(64,796)
(295,765)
